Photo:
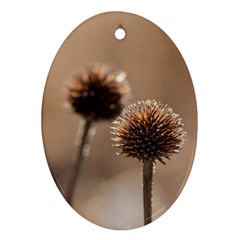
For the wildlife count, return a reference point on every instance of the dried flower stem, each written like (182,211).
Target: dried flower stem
(82,139)
(96,94)
(149,131)
(147,190)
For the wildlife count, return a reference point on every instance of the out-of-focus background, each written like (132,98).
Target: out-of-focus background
(109,192)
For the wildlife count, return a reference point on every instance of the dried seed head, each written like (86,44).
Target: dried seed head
(98,94)
(148,131)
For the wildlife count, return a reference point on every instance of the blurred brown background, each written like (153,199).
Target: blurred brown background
(109,192)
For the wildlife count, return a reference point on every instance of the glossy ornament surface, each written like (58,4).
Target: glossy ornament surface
(108,192)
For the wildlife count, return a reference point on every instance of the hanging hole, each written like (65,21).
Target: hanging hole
(120,33)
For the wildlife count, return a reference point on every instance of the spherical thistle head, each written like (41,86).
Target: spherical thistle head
(149,131)
(96,93)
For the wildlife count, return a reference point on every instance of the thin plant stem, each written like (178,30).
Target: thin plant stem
(147,190)
(82,140)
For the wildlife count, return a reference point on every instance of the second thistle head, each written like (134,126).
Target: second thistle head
(96,93)
(148,131)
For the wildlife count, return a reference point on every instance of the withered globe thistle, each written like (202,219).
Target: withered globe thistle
(98,94)
(149,131)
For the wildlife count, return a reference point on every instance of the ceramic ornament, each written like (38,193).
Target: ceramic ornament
(119,121)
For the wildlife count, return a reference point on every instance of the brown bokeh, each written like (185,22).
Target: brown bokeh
(109,192)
